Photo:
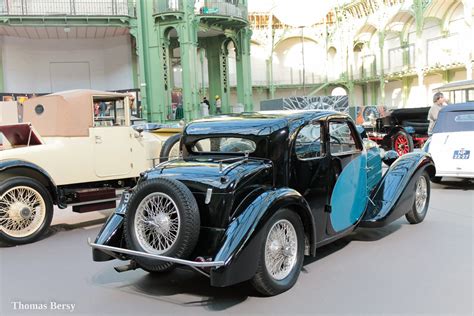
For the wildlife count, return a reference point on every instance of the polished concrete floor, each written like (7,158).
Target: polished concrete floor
(400,269)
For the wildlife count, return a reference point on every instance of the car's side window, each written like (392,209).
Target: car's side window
(308,142)
(341,138)
(109,113)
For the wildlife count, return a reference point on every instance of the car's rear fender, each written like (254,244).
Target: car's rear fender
(241,245)
(394,194)
(16,167)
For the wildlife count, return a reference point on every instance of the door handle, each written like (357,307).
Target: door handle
(98,140)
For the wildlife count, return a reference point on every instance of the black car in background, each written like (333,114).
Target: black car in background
(401,130)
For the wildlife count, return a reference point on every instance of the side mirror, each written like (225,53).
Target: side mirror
(390,157)
(139,129)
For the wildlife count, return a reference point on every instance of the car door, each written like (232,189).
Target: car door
(349,161)
(310,173)
(111,137)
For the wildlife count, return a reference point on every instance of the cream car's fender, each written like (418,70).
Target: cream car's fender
(17,167)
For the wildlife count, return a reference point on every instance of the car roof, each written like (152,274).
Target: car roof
(469,106)
(256,123)
(457,85)
(66,113)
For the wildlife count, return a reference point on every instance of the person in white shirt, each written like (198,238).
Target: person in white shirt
(438,102)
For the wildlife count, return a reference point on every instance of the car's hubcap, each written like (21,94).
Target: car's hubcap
(157,223)
(281,249)
(22,211)
(421,194)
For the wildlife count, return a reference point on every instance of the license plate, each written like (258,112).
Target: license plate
(461,154)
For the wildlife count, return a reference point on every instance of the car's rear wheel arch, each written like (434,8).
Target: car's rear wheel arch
(308,225)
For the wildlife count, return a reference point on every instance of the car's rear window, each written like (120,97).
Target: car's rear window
(226,145)
(454,122)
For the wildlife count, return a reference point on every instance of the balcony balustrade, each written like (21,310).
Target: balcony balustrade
(216,7)
(67,8)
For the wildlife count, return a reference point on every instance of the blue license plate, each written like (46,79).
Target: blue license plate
(461,154)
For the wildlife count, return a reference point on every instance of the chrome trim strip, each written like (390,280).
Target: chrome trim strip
(207,264)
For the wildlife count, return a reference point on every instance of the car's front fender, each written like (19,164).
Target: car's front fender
(19,167)
(394,194)
(241,245)
(111,233)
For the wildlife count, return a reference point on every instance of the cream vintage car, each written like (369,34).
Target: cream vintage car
(77,148)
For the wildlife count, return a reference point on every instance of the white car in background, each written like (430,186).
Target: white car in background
(452,142)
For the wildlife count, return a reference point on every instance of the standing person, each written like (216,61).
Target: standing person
(218,105)
(206,101)
(438,102)
(205,107)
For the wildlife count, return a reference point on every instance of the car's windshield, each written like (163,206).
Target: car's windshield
(454,122)
(226,145)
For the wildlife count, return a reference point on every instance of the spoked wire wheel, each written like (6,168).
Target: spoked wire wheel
(282,253)
(22,211)
(421,194)
(162,218)
(281,249)
(421,201)
(402,143)
(157,223)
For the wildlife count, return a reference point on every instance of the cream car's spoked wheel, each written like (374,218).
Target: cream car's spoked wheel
(421,194)
(157,223)
(22,211)
(281,249)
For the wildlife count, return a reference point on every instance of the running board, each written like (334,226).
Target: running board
(206,264)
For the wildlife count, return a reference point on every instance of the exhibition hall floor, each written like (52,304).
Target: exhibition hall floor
(399,269)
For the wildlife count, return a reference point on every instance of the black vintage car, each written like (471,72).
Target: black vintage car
(402,130)
(262,191)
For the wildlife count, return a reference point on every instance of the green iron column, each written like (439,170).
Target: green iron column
(214,59)
(364,94)
(418,8)
(374,93)
(202,56)
(406,88)
(150,50)
(244,74)
(382,72)
(2,83)
(188,44)
(224,77)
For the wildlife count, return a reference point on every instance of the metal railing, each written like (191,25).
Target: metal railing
(67,7)
(223,7)
(164,6)
(204,7)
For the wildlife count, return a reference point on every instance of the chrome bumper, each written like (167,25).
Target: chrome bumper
(196,264)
